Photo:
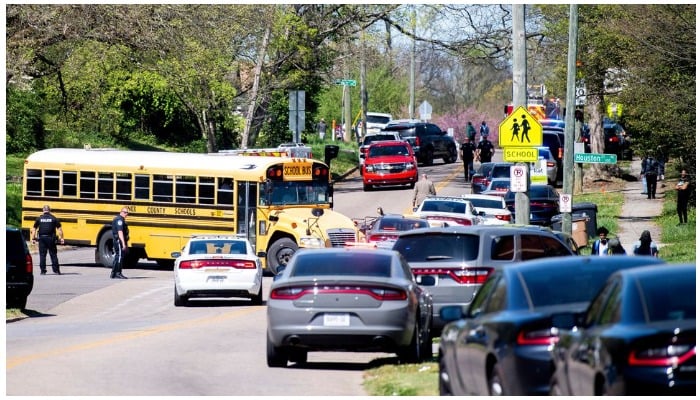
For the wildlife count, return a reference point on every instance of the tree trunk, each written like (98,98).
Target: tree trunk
(595,105)
(207,128)
(254,91)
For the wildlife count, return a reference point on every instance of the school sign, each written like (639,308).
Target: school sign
(518,135)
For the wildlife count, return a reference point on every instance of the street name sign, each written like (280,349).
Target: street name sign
(518,178)
(595,158)
(520,154)
(346,82)
(520,129)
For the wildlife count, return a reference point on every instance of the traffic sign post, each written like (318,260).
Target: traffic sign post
(595,158)
(520,129)
(565,201)
(518,178)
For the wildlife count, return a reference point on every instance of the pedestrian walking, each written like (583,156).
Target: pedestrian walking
(471,132)
(600,245)
(424,188)
(650,170)
(615,247)
(683,189)
(321,127)
(468,150)
(120,238)
(645,246)
(485,151)
(44,231)
(484,130)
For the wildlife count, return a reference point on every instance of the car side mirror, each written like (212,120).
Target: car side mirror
(175,254)
(261,254)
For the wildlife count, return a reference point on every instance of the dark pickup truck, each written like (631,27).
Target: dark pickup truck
(428,140)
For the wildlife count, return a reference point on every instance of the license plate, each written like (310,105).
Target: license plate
(336,319)
(216,278)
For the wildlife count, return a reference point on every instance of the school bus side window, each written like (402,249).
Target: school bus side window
(225,192)
(105,185)
(163,188)
(33,182)
(51,185)
(123,186)
(206,190)
(70,183)
(87,184)
(142,187)
(185,189)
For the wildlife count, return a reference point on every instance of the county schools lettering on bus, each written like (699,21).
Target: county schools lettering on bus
(297,171)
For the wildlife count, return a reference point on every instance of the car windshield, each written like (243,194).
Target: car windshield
(536,191)
(561,286)
(485,168)
(402,224)
(502,171)
(378,119)
(662,304)
(499,184)
(218,247)
(437,247)
(351,264)
(296,193)
(487,203)
(378,137)
(444,206)
(398,150)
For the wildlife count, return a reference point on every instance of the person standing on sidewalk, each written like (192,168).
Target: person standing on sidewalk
(424,188)
(120,238)
(44,231)
(650,171)
(645,246)
(683,189)
(468,149)
(600,246)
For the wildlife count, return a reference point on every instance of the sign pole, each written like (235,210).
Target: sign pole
(522,201)
(568,185)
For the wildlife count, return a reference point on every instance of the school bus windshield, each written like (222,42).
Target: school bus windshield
(296,193)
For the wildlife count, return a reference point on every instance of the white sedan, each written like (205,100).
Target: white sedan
(447,211)
(491,208)
(217,266)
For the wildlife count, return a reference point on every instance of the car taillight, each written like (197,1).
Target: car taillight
(217,263)
(541,204)
(550,164)
(460,221)
(29,265)
(663,355)
(614,139)
(376,292)
(503,217)
(464,276)
(561,153)
(540,337)
(381,237)
(417,141)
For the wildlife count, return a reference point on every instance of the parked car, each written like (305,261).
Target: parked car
(453,262)
(215,266)
(492,209)
(445,210)
(612,133)
(544,204)
(637,337)
(501,344)
(480,179)
(19,268)
(551,163)
(347,299)
(375,122)
(500,170)
(389,163)
(498,185)
(386,229)
(551,138)
(369,139)
(429,141)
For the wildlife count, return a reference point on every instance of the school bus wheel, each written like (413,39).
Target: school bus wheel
(280,252)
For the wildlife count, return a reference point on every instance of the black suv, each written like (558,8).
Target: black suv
(20,268)
(428,140)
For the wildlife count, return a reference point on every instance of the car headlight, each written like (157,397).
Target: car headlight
(410,165)
(369,167)
(311,242)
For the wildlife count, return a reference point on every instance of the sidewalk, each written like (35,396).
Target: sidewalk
(638,212)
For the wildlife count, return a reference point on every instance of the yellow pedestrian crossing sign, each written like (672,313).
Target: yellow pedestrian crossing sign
(520,129)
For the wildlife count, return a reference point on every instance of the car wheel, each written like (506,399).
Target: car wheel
(17,301)
(496,382)
(280,252)
(257,299)
(554,389)
(452,157)
(104,254)
(276,356)
(428,157)
(366,187)
(443,378)
(412,353)
(412,185)
(179,301)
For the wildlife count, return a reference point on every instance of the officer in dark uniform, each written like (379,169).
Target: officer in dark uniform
(120,237)
(44,231)
(468,150)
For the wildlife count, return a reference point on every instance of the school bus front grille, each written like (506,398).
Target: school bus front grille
(340,236)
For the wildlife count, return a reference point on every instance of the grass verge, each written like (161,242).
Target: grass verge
(680,245)
(402,380)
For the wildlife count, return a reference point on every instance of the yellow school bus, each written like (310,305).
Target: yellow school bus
(279,203)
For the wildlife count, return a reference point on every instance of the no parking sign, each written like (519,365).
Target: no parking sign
(565,202)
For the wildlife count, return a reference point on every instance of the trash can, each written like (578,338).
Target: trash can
(589,210)
(579,228)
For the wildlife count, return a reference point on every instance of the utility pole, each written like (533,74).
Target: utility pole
(570,126)
(363,85)
(522,199)
(412,84)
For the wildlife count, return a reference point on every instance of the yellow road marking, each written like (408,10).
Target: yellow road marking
(16,361)
(438,187)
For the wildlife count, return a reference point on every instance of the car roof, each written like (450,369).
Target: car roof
(302,252)
(481,196)
(448,198)
(207,236)
(477,230)
(381,143)
(581,261)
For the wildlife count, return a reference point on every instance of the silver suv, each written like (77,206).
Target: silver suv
(453,262)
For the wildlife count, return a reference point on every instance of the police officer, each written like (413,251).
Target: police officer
(468,149)
(485,150)
(120,237)
(44,231)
